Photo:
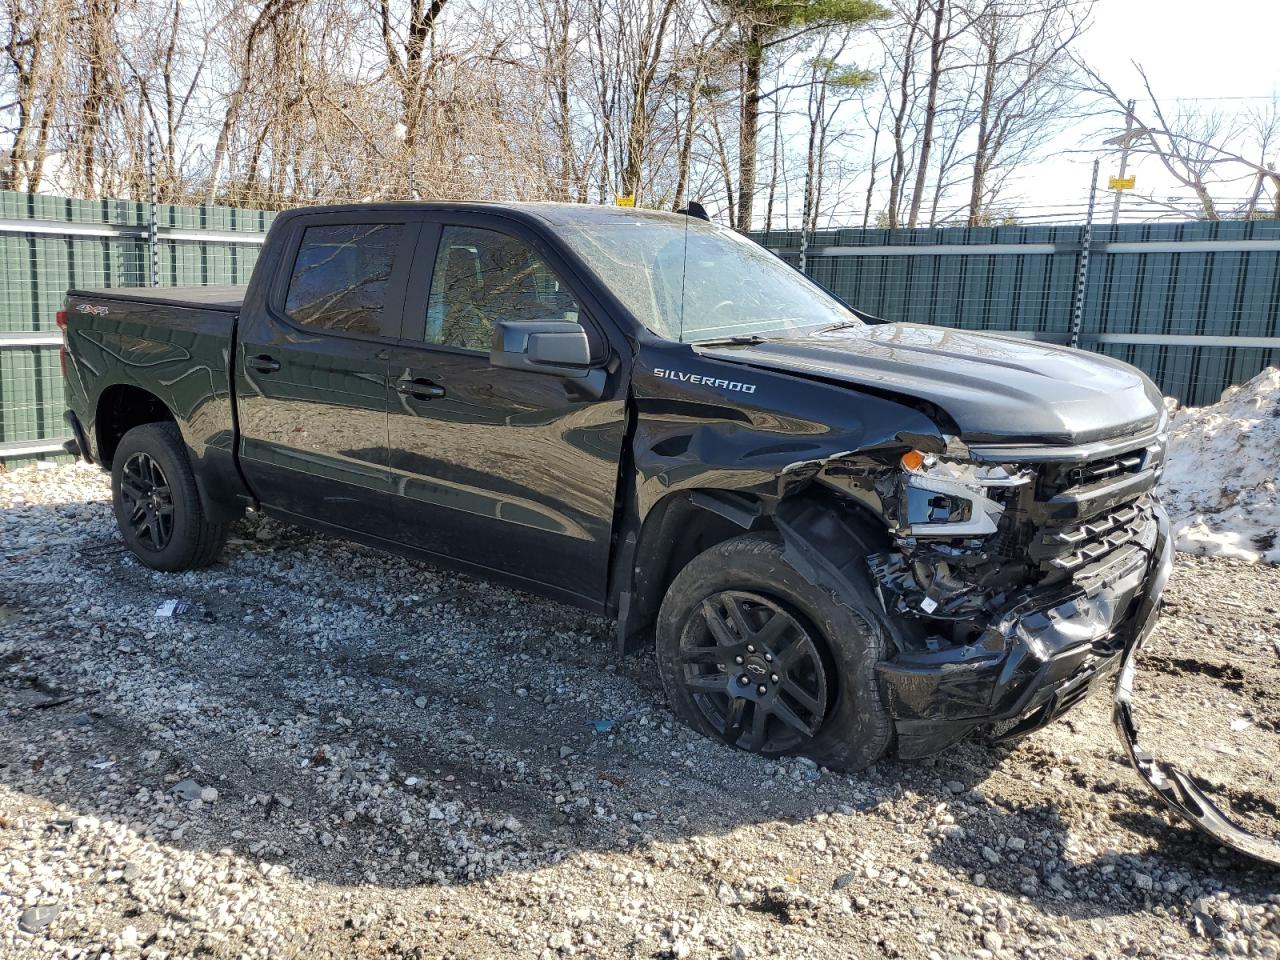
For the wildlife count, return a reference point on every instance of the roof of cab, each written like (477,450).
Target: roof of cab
(554,213)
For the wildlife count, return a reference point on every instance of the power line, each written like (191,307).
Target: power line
(1273,96)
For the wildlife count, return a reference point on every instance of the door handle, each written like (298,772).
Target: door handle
(263,364)
(419,389)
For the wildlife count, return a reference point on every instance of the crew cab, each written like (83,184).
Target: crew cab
(841,536)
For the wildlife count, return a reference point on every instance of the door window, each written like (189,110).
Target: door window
(340,277)
(482,276)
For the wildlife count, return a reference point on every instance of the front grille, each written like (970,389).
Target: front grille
(1105,469)
(1074,545)
(1091,487)
(1079,513)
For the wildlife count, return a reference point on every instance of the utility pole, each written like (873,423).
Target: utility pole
(1124,160)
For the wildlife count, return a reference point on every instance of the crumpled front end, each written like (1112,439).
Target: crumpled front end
(1020,574)
(1042,654)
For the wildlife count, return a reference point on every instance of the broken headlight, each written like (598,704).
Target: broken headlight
(943,497)
(944,509)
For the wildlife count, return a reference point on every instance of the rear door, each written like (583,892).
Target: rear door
(511,470)
(312,368)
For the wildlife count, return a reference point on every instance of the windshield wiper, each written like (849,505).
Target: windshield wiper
(842,325)
(743,338)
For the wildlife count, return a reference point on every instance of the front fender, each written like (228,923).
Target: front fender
(766,443)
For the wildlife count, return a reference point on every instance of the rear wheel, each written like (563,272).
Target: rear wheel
(157,506)
(753,654)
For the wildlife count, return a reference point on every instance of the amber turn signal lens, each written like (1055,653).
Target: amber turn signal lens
(913,459)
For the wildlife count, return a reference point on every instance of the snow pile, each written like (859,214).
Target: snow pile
(1220,486)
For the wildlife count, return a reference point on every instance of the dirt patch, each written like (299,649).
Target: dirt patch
(1206,691)
(330,752)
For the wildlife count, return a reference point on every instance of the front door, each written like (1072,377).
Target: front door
(312,371)
(511,470)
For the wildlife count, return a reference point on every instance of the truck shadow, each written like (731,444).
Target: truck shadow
(365,719)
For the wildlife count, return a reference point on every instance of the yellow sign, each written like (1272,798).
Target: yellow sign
(627,200)
(1122,183)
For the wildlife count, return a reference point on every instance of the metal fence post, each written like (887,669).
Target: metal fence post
(1082,271)
(804,222)
(153,230)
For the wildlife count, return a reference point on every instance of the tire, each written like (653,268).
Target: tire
(168,531)
(749,574)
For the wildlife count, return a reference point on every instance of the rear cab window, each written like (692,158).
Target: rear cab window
(342,278)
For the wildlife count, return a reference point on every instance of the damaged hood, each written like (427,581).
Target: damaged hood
(996,389)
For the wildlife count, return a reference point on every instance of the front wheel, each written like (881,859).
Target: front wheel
(157,506)
(754,655)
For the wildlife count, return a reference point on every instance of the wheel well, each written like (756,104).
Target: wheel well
(120,409)
(696,529)
(684,524)
(676,530)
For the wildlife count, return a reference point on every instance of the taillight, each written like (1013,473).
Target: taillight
(61,319)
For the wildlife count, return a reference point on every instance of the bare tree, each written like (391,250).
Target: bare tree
(269,103)
(831,87)
(944,22)
(1200,148)
(703,57)
(899,77)
(1026,83)
(35,45)
(258,25)
(648,22)
(762,26)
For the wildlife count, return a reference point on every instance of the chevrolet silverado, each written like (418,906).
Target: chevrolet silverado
(842,536)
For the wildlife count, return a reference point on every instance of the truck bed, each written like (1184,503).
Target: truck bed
(223,298)
(173,344)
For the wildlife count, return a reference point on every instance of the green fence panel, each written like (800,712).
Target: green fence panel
(1168,292)
(1163,291)
(37,266)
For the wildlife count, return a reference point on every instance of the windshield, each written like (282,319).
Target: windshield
(706,284)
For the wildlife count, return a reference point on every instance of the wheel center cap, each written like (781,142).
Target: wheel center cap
(756,668)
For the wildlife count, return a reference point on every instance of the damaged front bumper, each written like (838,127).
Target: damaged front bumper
(1046,654)
(1040,656)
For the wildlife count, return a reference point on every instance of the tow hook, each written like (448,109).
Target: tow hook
(1177,789)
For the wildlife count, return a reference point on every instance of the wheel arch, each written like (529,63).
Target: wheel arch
(826,536)
(120,408)
(674,531)
(123,406)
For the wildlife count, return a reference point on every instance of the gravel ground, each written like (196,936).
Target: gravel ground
(331,752)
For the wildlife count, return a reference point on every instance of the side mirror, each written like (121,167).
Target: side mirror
(541,346)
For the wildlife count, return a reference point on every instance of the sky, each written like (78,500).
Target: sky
(1225,50)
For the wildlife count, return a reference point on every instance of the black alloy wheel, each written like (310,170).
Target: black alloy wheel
(162,517)
(756,673)
(148,501)
(741,609)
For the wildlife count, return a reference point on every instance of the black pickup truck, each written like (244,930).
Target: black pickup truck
(843,536)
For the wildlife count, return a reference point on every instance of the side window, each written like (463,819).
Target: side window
(482,276)
(340,276)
